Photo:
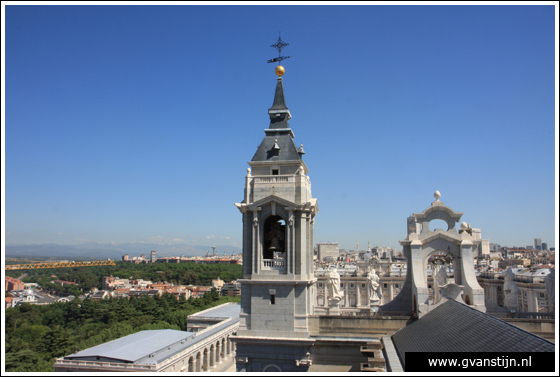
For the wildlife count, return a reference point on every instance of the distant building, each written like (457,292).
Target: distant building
(538,244)
(231,289)
(218,284)
(13,284)
(532,296)
(328,250)
(544,246)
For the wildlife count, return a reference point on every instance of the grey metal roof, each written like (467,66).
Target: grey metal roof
(455,327)
(288,149)
(231,310)
(138,348)
(278,132)
(279,100)
(134,347)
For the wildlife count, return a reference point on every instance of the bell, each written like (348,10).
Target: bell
(275,245)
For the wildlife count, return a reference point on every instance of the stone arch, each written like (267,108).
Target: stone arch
(435,223)
(190,364)
(198,365)
(441,245)
(205,367)
(420,244)
(438,212)
(272,368)
(274,236)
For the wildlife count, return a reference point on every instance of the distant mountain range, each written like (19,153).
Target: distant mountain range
(97,251)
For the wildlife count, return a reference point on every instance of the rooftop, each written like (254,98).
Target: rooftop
(455,327)
(155,346)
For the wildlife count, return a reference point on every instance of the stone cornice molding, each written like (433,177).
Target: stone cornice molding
(438,207)
(287,162)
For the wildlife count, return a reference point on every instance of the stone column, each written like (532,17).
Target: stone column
(289,243)
(256,249)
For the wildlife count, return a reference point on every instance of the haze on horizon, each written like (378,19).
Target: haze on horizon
(135,123)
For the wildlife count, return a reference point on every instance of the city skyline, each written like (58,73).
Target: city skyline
(135,124)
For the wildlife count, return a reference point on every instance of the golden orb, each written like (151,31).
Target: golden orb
(279,70)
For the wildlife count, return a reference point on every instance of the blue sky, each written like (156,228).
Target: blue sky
(136,123)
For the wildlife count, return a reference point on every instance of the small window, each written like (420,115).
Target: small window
(385,285)
(363,285)
(396,285)
(320,285)
(274,171)
(341,285)
(272,300)
(351,285)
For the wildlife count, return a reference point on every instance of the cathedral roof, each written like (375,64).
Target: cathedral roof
(456,327)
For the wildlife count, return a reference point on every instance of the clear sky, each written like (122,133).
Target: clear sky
(136,123)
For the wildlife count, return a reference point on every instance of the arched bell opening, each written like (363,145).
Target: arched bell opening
(274,240)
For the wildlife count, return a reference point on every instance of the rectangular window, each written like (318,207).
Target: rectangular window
(341,285)
(274,171)
(363,285)
(320,285)
(396,285)
(385,285)
(272,300)
(351,285)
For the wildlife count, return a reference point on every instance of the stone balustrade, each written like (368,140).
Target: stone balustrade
(274,179)
(274,264)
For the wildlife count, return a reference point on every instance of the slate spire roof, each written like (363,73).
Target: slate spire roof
(278,144)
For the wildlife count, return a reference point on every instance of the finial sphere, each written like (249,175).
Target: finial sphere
(279,70)
(437,195)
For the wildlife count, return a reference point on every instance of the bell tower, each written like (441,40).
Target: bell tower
(277,288)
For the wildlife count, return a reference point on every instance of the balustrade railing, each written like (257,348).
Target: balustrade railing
(275,179)
(274,263)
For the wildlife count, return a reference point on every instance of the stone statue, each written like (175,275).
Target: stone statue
(511,290)
(549,281)
(374,288)
(335,294)
(411,224)
(440,279)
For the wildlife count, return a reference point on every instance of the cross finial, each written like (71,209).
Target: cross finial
(279,46)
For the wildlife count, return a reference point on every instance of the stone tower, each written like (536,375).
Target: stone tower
(278,280)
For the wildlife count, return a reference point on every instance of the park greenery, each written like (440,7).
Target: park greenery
(36,335)
(87,278)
